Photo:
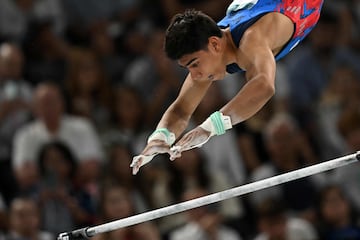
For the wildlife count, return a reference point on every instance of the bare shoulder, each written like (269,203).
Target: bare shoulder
(273,31)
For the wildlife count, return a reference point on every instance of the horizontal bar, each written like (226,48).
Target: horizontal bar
(219,196)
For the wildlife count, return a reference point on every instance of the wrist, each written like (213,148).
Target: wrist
(162,134)
(217,123)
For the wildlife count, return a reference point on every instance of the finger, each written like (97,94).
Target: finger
(175,148)
(174,155)
(136,166)
(135,160)
(195,143)
(139,161)
(175,152)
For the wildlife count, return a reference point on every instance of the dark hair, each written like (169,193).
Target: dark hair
(64,150)
(271,208)
(104,190)
(189,32)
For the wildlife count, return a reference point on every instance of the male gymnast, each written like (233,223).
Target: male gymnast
(252,36)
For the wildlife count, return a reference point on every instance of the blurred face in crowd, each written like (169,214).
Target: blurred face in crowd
(281,145)
(116,203)
(335,208)
(128,108)
(56,163)
(11,62)
(344,84)
(197,213)
(120,160)
(323,37)
(274,227)
(48,105)
(24,217)
(88,75)
(102,43)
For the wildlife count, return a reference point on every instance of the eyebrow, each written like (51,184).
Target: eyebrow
(189,62)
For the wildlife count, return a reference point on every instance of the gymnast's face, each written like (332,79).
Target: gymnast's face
(205,65)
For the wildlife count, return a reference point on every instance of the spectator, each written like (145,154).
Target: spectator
(221,153)
(15,98)
(189,172)
(64,205)
(87,87)
(337,218)
(154,76)
(288,150)
(52,124)
(52,11)
(203,222)
(15,17)
(25,221)
(341,91)
(128,119)
(349,129)
(250,138)
(117,171)
(46,53)
(103,44)
(274,222)
(84,15)
(116,203)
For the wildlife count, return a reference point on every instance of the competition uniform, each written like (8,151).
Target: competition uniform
(239,17)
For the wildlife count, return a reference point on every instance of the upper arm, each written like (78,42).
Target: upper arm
(262,41)
(258,58)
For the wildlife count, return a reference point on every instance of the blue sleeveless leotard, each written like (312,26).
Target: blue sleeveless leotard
(304,14)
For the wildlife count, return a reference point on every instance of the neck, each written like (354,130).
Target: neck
(230,52)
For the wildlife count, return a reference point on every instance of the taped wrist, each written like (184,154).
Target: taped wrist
(163,134)
(217,123)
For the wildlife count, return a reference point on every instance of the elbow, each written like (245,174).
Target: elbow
(270,90)
(267,89)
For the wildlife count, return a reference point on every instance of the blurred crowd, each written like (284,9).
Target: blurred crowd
(83,84)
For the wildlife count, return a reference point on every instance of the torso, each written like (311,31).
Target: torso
(285,22)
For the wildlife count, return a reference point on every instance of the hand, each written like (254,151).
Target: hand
(193,139)
(152,149)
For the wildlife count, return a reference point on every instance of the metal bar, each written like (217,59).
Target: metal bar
(212,198)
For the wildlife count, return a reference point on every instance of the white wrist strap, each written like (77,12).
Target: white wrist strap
(217,123)
(163,134)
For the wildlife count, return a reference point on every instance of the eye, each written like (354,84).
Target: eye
(194,65)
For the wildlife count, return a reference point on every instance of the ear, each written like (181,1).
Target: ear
(214,44)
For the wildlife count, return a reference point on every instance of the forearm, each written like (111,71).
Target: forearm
(177,116)
(174,120)
(251,98)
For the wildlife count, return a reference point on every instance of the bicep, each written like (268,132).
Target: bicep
(259,59)
(262,41)
(263,68)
